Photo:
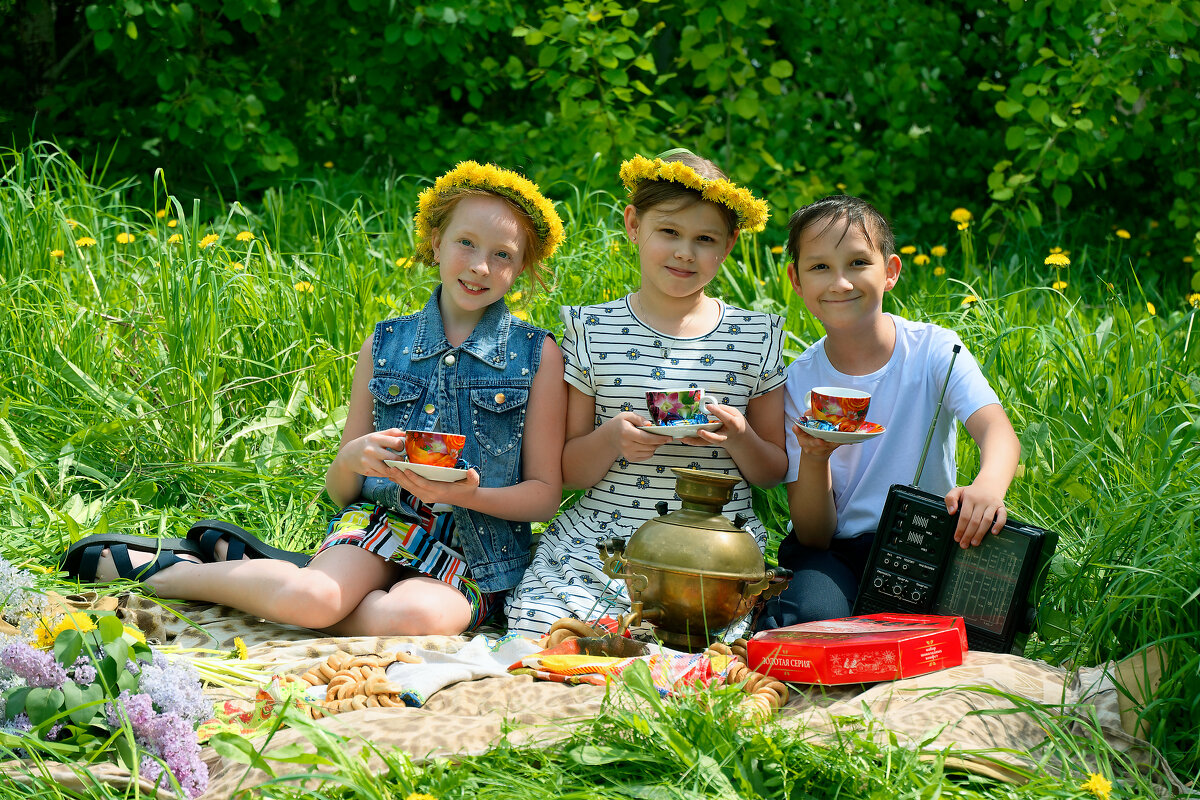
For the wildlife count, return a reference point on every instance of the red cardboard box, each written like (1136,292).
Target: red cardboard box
(874,647)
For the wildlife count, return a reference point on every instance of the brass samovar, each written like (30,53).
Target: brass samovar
(692,572)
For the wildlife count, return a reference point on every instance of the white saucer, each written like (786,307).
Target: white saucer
(842,437)
(429,471)
(681,431)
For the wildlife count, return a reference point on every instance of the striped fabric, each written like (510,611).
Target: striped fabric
(423,542)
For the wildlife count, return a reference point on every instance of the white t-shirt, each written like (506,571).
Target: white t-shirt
(904,395)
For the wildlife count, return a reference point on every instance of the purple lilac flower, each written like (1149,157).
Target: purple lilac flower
(171,738)
(35,666)
(175,687)
(84,671)
(18,724)
(138,708)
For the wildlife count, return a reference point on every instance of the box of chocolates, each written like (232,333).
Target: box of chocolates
(864,649)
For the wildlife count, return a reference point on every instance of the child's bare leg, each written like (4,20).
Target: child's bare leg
(316,596)
(415,606)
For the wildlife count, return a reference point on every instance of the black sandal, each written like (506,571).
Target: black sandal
(207,532)
(81,558)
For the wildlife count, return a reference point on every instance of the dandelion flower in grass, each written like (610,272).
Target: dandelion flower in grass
(162,212)
(962,226)
(245,236)
(907,250)
(515,297)
(841,187)
(74,621)
(302,287)
(1097,785)
(175,238)
(920,259)
(1188,259)
(209,240)
(124,238)
(239,649)
(404,263)
(970,300)
(937,251)
(328,165)
(1122,233)
(521,314)
(1193,299)
(1057,260)
(1058,286)
(939,271)
(1055,249)
(961,216)
(236,266)
(57,254)
(1150,308)
(72,223)
(84,241)
(171,223)
(777,249)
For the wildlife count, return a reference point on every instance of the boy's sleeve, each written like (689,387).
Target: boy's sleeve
(771,375)
(577,362)
(969,389)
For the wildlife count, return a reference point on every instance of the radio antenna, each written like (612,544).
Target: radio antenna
(937,412)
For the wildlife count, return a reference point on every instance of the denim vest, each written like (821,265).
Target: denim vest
(479,389)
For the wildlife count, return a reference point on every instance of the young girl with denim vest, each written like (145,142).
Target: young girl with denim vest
(684,216)
(408,555)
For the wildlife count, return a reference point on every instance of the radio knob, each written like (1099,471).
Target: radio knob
(896,590)
(916,597)
(877,583)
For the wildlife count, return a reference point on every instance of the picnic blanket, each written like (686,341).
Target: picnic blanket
(985,714)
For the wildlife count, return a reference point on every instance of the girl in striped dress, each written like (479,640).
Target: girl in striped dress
(684,216)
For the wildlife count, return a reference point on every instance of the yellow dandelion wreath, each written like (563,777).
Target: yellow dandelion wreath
(504,182)
(751,212)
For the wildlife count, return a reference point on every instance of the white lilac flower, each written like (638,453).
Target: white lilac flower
(175,687)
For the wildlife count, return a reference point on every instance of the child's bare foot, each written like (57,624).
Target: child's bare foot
(107,570)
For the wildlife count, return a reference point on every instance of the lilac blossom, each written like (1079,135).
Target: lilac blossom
(83,671)
(171,738)
(38,668)
(175,687)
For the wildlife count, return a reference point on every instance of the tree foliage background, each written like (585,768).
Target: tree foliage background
(1037,110)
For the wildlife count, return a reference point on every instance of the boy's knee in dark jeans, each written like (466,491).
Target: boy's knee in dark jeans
(824,582)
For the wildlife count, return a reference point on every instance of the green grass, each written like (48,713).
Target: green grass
(149,383)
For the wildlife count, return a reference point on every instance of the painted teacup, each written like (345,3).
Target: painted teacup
(845,408)
(678,406)
(433,448)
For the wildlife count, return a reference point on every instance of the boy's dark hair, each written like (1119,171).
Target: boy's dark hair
(854,210)
(649,194)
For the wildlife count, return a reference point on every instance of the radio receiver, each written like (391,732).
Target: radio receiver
(916,567)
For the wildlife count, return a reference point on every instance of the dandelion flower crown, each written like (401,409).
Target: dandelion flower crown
(751,212)
(496,180)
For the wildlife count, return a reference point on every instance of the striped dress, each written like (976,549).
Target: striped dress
(613,356)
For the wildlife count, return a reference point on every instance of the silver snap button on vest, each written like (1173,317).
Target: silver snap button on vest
(449,359)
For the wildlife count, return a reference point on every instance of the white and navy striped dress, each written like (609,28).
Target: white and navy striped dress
(612,355)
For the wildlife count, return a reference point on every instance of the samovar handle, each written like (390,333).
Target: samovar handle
(612,550)
(774,581)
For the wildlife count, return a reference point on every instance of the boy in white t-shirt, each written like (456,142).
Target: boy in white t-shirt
(842,261)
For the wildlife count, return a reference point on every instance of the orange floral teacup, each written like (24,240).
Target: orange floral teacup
(433,448)
(846,408)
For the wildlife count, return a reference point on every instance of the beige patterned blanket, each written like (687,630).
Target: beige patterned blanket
(986,715)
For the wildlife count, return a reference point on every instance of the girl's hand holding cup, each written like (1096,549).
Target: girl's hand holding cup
(633,443)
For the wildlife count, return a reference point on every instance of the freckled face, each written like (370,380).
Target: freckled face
(480,252)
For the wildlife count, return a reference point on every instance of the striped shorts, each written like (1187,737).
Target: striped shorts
(424,542)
